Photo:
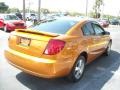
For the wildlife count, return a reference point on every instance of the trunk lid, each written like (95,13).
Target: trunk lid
(30,42)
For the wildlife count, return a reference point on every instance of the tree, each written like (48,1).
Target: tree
(3,7)
(45,11)
(75,14)
(97,8)
(13,10)
(91,14)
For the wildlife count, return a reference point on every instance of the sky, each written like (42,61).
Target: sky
(111,7)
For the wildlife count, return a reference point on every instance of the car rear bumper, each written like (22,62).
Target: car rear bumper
(40,67)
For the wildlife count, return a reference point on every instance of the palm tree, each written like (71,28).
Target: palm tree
(97,7)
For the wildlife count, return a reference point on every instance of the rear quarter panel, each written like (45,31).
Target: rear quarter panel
(75,45)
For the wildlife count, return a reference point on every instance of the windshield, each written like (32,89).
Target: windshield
(57,26)
(11,17)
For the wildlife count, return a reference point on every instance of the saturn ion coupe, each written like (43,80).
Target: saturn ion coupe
(59,48)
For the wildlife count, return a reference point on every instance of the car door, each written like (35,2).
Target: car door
(90,40)
(100,39)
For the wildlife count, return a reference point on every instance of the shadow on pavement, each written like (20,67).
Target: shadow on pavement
(96,75)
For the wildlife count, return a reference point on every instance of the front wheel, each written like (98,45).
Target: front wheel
(108,50)
(78,70)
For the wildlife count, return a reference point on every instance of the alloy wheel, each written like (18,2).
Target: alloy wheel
(79,68)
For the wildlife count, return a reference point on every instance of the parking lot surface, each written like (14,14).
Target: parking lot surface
(102,74)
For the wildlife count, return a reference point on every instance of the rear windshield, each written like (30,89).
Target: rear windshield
(57,26)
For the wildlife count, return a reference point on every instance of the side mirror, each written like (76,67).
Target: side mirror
(106,33)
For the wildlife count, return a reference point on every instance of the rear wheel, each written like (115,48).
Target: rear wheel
(108,50)
(78,70)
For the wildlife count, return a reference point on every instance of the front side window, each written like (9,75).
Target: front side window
(98,29)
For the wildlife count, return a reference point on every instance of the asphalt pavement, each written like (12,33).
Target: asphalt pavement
(102,74)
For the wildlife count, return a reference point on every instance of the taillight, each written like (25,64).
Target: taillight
(54,46)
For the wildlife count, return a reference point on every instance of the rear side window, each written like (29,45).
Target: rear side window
(87,29)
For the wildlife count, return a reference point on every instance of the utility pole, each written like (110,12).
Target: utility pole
(102,11)
(86,13)
(39,6)
(24,10)
(29,5)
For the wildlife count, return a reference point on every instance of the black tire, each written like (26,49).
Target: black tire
(108,49)
(77,70)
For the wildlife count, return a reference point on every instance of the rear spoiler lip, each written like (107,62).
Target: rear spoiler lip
(37,32)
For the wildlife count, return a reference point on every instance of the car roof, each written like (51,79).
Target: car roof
(79,19)
(7,14)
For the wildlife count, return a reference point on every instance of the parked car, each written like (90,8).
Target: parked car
(31,16)
(115,22)
(103,23)
(19,15)
(58,48)
(9,22)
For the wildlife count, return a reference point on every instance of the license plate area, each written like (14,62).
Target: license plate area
(24,41)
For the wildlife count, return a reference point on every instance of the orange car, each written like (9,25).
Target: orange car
(58,48)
